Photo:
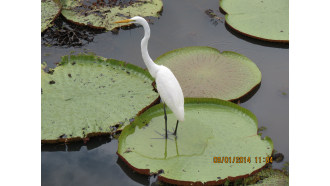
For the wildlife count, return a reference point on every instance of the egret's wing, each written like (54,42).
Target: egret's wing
(169,89)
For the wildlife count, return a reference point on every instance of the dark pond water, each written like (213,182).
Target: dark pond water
(183,23)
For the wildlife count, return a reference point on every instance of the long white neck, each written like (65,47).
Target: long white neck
(152,67)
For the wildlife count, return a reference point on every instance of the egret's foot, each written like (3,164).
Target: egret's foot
(166,133)
(173,132)
(176,128)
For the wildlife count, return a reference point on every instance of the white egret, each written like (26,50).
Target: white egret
(168,86)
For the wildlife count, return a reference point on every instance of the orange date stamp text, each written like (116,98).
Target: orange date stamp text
(241,159)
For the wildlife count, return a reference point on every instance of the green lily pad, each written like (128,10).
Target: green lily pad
(212,128)
(87,95)
(205,72)
(261,19)
(103,15)
(50,9)
(268,177)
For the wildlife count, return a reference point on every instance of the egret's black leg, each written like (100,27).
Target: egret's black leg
(165,117)
(176,127)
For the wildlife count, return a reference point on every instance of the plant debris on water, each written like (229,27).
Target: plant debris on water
(278,157)
(66,34)
(90,5)
(215,19)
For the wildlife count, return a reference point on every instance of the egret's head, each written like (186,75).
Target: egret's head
(136,19)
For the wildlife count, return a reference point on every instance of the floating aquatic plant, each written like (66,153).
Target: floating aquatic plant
(268,177)
(102,14)
(261,19)
(50,9)
(218,141)
(88,95)
(215,18)
(205,72)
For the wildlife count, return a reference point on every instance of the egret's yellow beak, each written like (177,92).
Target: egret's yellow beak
(124,21)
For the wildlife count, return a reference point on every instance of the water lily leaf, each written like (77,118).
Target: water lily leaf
(212,128)
(261,19)
(87,95)
(205,72)
(268,177)
(50,9)
(103,15)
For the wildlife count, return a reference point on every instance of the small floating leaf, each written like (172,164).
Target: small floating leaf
(261,19)
(103,15)
(50,9)
(87,95)
(205,72)
(268,177)
(212,128)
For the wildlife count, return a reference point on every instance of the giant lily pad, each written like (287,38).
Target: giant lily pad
(212,128)
(205,72)
(103,15)
(50,9)
(88,95)
(261,19)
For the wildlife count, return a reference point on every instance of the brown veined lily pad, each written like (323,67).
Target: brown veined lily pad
(205,72)
(50,9)
(103,14)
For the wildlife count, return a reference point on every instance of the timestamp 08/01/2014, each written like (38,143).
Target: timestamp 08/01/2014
(241,159)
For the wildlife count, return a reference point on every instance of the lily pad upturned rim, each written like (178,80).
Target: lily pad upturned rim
(194,101)
(114,62)
(246,34)
(240,99)
(58,13)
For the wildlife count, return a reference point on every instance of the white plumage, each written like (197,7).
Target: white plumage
(168,86)
(170,91)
